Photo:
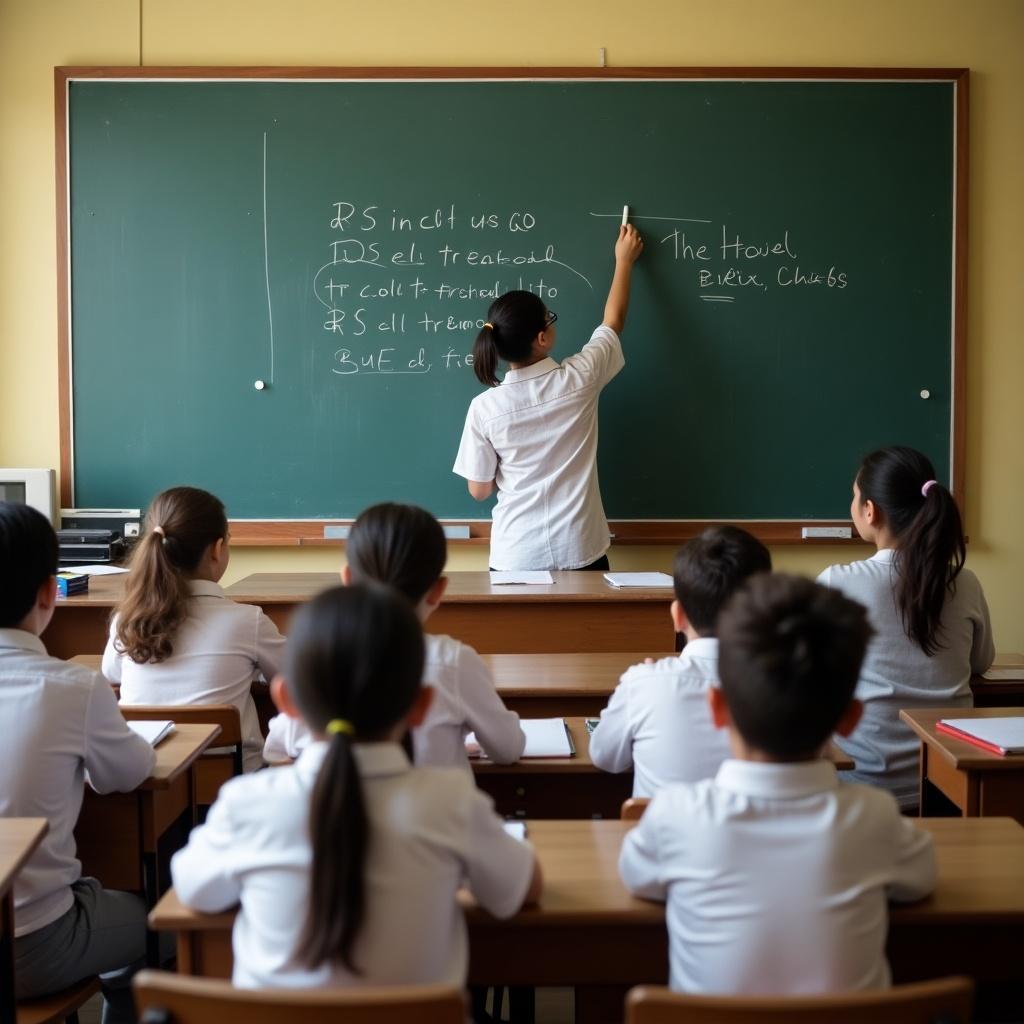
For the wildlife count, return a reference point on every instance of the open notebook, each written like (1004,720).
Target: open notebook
(545,737)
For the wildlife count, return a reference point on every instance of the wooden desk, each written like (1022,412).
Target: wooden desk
(117,833)
(979,783)
(578,612)
(588,931)
(1001,693)
(19,838)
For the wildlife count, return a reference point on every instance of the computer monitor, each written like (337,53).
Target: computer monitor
(35,487)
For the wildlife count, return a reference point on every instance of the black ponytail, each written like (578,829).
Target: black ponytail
(355,661)
(925,520)
(513,322)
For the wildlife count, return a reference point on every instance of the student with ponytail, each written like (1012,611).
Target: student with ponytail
(347,863)
(931,622)
(176,638)
(533,439)
(404,547)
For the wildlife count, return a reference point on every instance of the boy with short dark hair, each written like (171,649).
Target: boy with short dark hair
(60,722)
(657,720)
(776,875)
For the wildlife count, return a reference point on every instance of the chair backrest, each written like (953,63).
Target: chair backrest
(162,998)
(212,769)
(946,1001)
(633,808)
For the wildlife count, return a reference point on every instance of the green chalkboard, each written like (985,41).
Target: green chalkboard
(341,241)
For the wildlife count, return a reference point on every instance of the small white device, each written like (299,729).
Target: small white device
(34,487)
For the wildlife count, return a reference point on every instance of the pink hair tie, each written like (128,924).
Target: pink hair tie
(926,487)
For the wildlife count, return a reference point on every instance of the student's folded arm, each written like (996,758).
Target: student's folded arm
(915,871)
(502,871)
(203,872)
(116,759)
(611,743)
(480,490)
(497,729)
(639,866)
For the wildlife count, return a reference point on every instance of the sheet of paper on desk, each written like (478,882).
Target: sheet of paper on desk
(545,737)
(152,732)
(516,829)
(100,570)
(530,578)
(1004,734)
(638,579)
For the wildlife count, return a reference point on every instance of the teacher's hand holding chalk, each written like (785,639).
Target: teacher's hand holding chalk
(628,247)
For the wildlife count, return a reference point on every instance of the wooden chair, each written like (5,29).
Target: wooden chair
(633,808)
(946,1001)
(63,1005)
(163,998)
(212,770)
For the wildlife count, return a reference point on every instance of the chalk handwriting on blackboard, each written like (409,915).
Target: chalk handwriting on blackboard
(382,259)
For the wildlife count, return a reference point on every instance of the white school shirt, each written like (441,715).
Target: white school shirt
(430,832)
(217,653)
(897,674)
(61,727)
(776,878)
(465,700)
(658,721)
(536,436)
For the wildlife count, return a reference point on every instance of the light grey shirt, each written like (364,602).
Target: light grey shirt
(61,727)
(897,674)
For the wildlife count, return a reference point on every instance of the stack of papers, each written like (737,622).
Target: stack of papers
(521,576)
(545,737)
(638,579)
(152,732)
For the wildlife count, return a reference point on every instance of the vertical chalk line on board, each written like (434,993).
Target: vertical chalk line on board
(266,259)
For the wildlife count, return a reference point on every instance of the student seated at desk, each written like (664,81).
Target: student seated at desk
(657,720)
(776,874)
(347,863)
(176,637)
(60,725)
(404,546)
(929,614)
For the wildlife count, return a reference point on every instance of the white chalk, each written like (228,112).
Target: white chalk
(625,215)
(259,385)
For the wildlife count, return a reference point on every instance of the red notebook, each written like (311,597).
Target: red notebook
(997,735)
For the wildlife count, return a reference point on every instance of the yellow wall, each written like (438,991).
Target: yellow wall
(984,35)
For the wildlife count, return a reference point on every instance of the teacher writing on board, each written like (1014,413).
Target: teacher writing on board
(533,437)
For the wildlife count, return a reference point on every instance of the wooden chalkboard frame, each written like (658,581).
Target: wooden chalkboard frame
(302,533)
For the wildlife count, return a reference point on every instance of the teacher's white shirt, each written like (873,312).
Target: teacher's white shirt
(535,435)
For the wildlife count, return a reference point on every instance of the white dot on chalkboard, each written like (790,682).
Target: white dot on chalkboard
(259,385)
(925,393)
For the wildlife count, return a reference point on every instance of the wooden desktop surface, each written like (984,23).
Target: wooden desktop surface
(588,930)
(978,782)
(19,838)
(117,833)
